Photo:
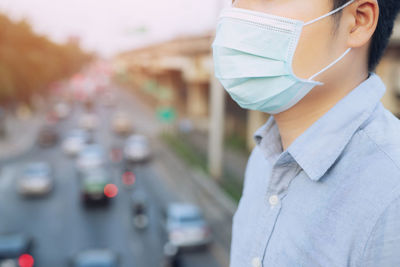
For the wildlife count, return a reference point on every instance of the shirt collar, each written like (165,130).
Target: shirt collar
(316,150)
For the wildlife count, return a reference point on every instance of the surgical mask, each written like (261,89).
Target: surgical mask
(253,54)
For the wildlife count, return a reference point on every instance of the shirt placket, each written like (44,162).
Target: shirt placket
(283,172)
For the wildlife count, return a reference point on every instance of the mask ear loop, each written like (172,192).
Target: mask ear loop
(345,53)
(330,65)
(330,13)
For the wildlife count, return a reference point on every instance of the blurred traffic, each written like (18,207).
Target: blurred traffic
(97,119)
(89,193)
(118,147)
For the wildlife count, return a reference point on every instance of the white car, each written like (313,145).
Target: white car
(92,156)
(62,110)
(185,226)
(36,180)
(89,122)
(137,148)
(122,124)
(75,142)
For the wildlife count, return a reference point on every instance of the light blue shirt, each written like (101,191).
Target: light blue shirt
(332,198)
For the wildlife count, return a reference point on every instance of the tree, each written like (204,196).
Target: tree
(29,62)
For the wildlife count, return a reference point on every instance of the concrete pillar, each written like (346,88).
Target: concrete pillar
(197,100)
(216,129)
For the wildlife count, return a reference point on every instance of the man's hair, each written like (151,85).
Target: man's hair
(380,40)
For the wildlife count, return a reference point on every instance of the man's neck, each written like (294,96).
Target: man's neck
(295,121)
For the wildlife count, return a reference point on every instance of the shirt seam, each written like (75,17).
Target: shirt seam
(387,207)
(380,148)
(375,226)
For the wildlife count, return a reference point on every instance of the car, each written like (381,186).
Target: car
(89,121)
(62,110)
(171,257)
(92,156)
(36,179)
(93,183)
(185,226)
(137,148)
(122,124)
(96,258)
(13,246)
(75,141)
(73,146)
(48,136)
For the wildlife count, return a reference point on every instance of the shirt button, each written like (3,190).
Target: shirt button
(273,200)
(256,262)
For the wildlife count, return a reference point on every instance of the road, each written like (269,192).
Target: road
(62,227)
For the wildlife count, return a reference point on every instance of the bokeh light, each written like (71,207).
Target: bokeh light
(116,155)
(128,178)
(26,260)
(111,190)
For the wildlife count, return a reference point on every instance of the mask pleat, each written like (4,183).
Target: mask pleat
(243,65)
(274,103)
(249,38)
(256,88)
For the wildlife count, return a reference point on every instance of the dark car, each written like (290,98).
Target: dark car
(96,258)
(14,246)
(93,183)
(48,136)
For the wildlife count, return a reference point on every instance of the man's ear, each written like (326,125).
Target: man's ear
(362,19)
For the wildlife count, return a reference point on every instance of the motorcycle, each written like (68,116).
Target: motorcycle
(171,256)
(140,213)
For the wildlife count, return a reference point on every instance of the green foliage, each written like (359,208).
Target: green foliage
(29,63)
(237,142)
(228,182)
(185,151)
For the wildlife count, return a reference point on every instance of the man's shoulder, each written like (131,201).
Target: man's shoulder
(381,136)
(373,158)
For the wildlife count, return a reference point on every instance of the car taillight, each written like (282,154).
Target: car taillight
(26,260)
(110,190)
(207,231)
(128,178)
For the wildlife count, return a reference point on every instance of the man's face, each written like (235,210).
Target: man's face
(319,43)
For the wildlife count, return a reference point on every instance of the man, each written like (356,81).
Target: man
(322,186)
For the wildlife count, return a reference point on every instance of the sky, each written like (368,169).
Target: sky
(112,26)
